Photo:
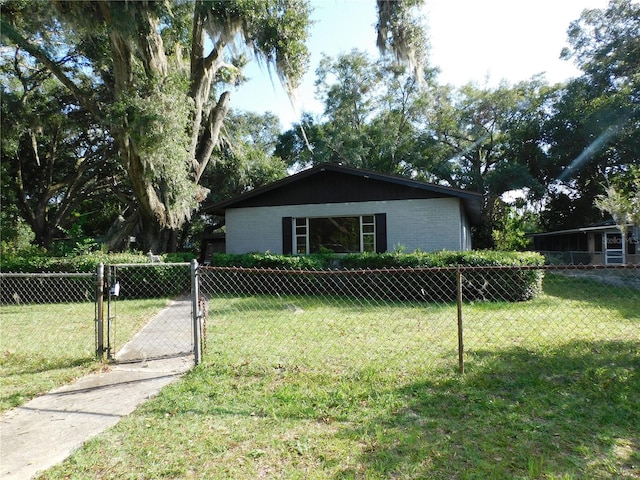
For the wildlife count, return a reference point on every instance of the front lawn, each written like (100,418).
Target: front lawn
(304,388)
(45,346)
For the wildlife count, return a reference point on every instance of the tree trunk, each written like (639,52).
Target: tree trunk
(44,234)
(153,233)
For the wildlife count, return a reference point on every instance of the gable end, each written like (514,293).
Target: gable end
(333,187)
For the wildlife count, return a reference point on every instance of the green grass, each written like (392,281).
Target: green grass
(45,346)
(294,388)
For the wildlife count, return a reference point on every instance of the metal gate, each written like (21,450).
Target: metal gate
(148,312)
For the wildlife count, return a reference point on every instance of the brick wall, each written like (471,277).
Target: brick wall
(427,224)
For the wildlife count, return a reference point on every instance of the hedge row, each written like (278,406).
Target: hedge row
(144,281)
(411,284)
(151,280)
(389,276)
(86,263)
(33,263)
(364,261)
(50,289)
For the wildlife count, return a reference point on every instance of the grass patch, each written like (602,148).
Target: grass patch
(295,388)
(45,346)
(569,309)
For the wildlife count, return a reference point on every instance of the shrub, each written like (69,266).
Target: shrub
(392,276)
(269,260)
(145,281)
(152,280)
(35,261)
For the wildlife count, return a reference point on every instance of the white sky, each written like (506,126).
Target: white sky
(471,40)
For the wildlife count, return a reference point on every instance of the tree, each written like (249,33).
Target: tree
(372,111)
(622,201)
(593,134)
(402,32)
(349,105)
(605,45)
(54,156)
(301,145)
(244,161)
(246,158)
(512,226)
(378,117)
(154,57)
(470,142)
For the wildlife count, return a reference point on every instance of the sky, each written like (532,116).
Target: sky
(482,41)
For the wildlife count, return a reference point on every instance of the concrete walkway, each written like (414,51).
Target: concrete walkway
(49,428)
(169,334)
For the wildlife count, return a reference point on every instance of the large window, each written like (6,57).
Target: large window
(334,234)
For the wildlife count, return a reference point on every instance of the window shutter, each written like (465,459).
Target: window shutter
(381,232)
(287,232)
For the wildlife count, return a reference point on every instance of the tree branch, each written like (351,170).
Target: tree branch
(201,78)
(12,34)
(211,135)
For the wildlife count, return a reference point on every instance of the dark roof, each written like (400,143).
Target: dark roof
(335,183)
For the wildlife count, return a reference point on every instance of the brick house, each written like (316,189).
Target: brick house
(342,209)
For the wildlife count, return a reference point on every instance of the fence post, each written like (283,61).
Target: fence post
(100,312)
(460,336)
(195,308)
(108,326)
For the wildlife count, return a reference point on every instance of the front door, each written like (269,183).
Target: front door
(614,252)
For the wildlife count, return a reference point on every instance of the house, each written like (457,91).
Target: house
(600,244)
(335,208)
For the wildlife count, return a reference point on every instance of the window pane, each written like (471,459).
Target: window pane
(301,245)
(368,243)
(301,226)
(336,234)
(597,240)
(367,219)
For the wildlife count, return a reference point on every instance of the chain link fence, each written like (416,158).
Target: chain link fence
(126,313)
(55,327)
(406,319)
(43,288)
(321,319)
(148,311)
(47,325)
(48,314)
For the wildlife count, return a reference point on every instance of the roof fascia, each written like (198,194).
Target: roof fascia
(602,228)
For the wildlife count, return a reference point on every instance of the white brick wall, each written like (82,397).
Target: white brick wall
(428,224)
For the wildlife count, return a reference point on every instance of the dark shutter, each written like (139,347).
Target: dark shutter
(287,240)
(381,232)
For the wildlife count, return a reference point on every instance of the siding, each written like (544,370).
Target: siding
(426,224)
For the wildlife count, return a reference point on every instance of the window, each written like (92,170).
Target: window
(597,242)
(339,234)
(631,244)
(362,233)
(301,235)
(368,235)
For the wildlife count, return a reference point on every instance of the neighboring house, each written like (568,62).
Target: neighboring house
(341,209)
(597,245)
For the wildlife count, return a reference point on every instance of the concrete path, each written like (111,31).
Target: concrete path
(49,428)
(169,334)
